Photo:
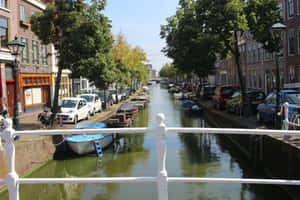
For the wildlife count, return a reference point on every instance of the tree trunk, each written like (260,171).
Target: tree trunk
(55,100)
(105,100)
(117,99)
(236,54)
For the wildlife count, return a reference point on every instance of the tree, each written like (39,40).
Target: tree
(78,32)
(261,15)
(225,20)
(129,62)
(192,51)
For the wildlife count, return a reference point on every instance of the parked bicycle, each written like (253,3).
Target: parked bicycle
(45,118)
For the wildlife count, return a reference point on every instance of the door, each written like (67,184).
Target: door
(10,98)
(45,91)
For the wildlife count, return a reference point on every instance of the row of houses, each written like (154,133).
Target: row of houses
(258,66)
(37,69)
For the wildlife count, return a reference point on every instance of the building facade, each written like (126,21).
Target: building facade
(258,65)
(34,70)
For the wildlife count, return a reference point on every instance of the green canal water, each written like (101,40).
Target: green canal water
(188,155)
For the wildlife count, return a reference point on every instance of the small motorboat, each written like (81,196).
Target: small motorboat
(190,106)
(129,109)
(85,143)
(119,120)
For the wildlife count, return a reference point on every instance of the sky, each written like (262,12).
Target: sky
(139,21)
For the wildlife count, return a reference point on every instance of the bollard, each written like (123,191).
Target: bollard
(161,148)
(12,177)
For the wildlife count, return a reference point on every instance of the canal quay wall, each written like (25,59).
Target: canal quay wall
(279,158)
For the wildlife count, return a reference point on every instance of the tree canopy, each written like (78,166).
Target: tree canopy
(81,36)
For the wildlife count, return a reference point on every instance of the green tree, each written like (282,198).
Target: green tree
(168,71)
(228,19)
(261,15)
(192,51)
(129,62)
(78,32)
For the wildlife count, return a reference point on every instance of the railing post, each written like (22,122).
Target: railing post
(286,119)
(12,177)
(161,148)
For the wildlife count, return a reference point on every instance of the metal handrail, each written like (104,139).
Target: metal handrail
(12,180)
(286,120)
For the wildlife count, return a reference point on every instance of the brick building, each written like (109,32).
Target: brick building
(35,67)
(258,65)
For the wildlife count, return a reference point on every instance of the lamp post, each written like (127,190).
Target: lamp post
(15,46)
(276,30)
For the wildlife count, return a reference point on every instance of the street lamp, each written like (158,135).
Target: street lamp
(276,31)
(16,47)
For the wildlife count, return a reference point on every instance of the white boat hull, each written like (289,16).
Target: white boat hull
(88,146)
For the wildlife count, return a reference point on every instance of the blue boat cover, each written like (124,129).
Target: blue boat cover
(188,104)
(82,138)
(90,125)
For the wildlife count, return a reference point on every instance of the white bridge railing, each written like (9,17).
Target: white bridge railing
(12,179)
(291,118)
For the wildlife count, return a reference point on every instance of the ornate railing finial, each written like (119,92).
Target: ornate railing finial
(160,117)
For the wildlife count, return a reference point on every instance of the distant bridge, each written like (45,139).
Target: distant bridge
(156,79)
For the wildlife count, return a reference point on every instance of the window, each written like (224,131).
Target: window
(22,13)
(254,79)
(44,55)
(32,12)
(259,82)
(291,74)
(4,32)
(290,8)
(35,52)
(3,3)
(280,9)
(25,52)
(298,7)
(254,53)
(291,48)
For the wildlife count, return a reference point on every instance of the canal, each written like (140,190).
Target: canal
(135,155)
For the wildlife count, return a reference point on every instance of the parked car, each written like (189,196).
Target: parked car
(222,93)
(253,98)
(207,91)
(114,95)
(73,110)
(109,98)
(266,110)
(94,102)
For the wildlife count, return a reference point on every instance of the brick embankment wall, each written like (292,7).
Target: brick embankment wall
(280,159)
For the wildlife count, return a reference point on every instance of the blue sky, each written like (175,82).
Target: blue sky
(140,21)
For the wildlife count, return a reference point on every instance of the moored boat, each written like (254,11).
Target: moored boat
(119,120)
(129,109)
(84,143)
(190,106)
